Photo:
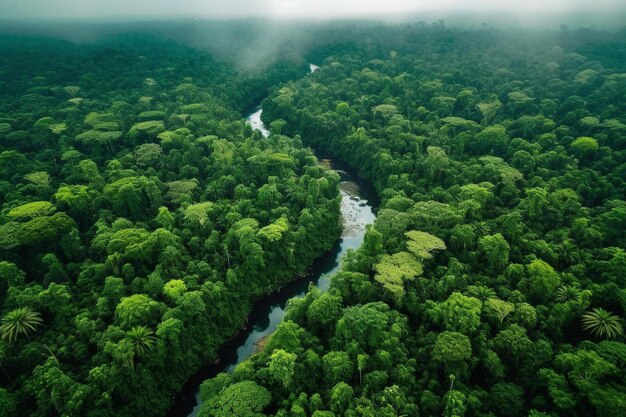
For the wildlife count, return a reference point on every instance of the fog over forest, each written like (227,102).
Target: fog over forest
(602,13)
(313,208)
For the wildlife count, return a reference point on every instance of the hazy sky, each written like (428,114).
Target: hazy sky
(20,9)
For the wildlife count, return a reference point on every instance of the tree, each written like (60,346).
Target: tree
(142,340)
(541,283)
(198,214)
(282,366)
(32,210)
(243,399)
(566,294)
(367,325)
(493,140)
(174,289)
(394,270)
(10,276)
(584,147)
(585,369)
(341,397)
(507,399)
(489,109)
(481,293)
(21,321)
(454,404)
(513,343)
(452,349)
(495,250)
(459,313)
(499,309)
(337,367)
(422,244)
(150,128)
(602,324)
(138,309)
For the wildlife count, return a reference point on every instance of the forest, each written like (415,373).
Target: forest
(141,218)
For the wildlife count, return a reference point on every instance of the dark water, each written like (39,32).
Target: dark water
(358,203)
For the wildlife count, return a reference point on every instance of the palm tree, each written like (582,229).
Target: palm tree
(601,323)
(565,293)
(141,338)
(481,292)
(482,229)
(21,321)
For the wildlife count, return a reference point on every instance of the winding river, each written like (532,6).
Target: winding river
(358,203)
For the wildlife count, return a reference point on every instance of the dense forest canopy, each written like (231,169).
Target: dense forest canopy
(141,218)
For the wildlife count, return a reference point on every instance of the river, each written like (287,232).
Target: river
(358,204)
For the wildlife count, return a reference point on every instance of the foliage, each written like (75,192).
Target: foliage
(19,322)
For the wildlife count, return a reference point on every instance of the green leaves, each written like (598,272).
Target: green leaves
(37,230)
(422,244)
(19,322)
(32,210)
(459,313)
(394,270)
(198,214)
(584,146)
(150,128)
(452,349)
(246,399)
(142,339)
(602,324)
(282,366)
(274,232)
(138,310)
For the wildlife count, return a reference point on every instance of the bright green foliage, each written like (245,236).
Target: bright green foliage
(101,121)
(542,281)
(32,210)
(422,244)
(452,349)
(498,308)
(149,128)
(198,214)
(281,366)
(19,322)
(274,231)
(164,218)
(584,146)
(98,137)
(337,367)
(602,324)
(493,140)
(460,313)
(39,178)
(584,368)
(246,399)
(496,250)
(394,270)
(138,309)
(455,404)
(141,338)
(34,231)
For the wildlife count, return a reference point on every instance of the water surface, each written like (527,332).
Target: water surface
(358,203)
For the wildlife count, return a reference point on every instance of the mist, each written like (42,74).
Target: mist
(530,12)
(254,33)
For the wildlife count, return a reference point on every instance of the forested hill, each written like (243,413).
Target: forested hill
(140,218)
(493,280)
